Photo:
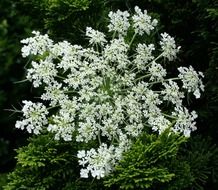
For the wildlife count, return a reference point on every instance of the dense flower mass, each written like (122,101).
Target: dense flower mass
(109,92)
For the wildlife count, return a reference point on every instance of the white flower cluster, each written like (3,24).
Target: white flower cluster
(171,92)
(168,46)
(191,80)
(142,22)
(95,37)
(44,71)
(185,122)
(144,55)
(108,95)
(119,22)
(99,162)
(36,45)
(35,117)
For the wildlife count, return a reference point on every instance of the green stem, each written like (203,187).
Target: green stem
(158,57)
(60,77)
(114,35)
(21,81)
(132,39)
(142,77)
(133,69)
(97,48)
(164,81)
(56,56)
(13,110)
(70,91)
(169,116)
(99,137)
(176,78)
(49,108)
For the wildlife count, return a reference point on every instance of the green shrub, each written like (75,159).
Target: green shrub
(167,162)
(65,19)
(48,164)
(146,164)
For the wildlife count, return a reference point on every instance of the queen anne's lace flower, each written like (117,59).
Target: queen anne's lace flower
(38,44)
(185,121)
(55,94)
(62,125)
(119,22)
(35,117)
(144,55)
(134,129)
(171,93)
(107,93)
(159,123)
(95,37)
(191,80)
(100,162)
(168,46)
(61,49)
(44,71)
(69,106)
(157,72)
(116,51)
(109,128)
(142,22)
(88,130)
(71,59)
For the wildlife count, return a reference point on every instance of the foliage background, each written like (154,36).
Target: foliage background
(13,27)
(194,23)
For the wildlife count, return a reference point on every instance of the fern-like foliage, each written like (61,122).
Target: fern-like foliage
(48,164)
(145,165)
(167,162)
(66,19)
